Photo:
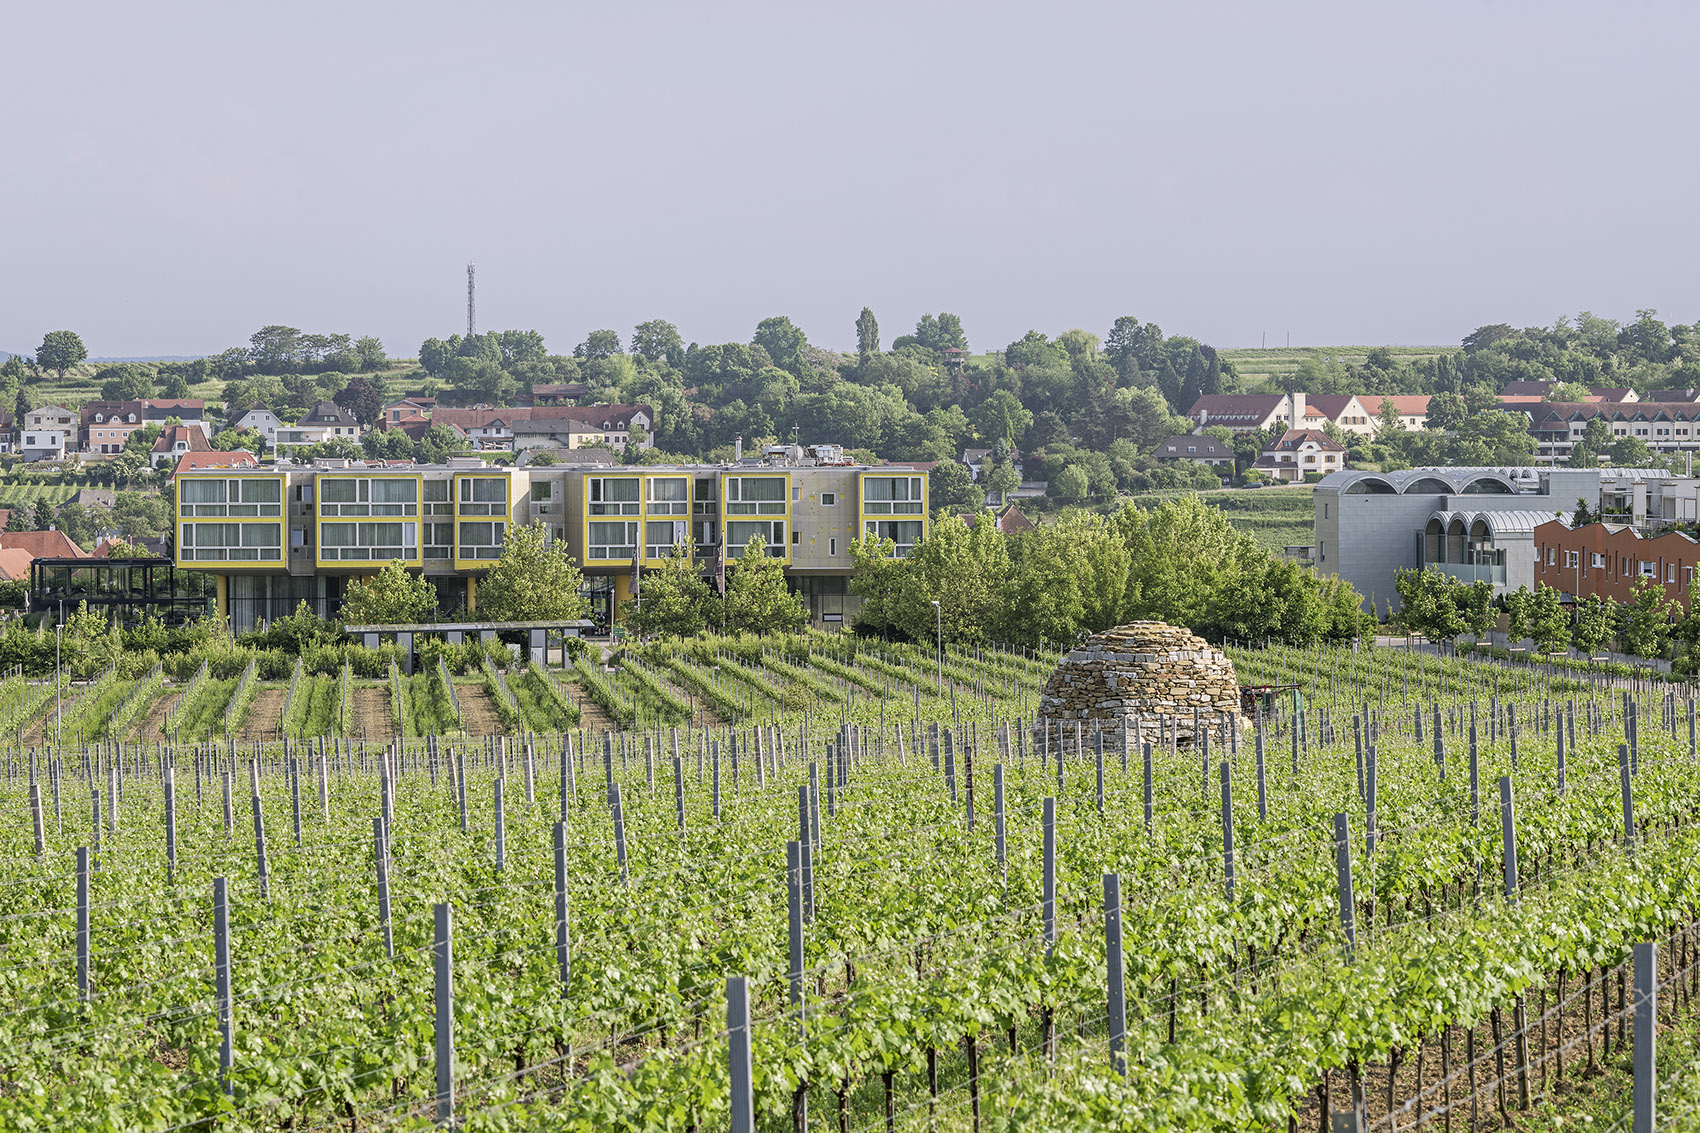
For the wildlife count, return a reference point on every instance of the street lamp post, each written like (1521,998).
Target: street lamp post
(938,614)
(58,686)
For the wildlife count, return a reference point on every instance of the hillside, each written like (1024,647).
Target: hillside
(1270,363)
(1276,517)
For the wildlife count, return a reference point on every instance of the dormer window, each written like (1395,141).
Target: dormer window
(132,418)
(99,418)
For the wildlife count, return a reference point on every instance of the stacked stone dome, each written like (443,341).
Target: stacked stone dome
(1153,677)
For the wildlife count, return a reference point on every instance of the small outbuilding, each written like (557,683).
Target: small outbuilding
(1157,680)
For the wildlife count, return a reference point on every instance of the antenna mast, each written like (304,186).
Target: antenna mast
(471,300)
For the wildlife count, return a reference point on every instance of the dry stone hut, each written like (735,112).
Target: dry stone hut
(1156,678)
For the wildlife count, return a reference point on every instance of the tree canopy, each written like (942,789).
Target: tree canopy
(393,596)
(533,581)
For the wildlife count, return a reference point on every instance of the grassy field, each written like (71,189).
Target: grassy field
(1259,363)
(79,385)
(13,494)
(1275,517)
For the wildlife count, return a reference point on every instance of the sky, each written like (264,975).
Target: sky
(180,175)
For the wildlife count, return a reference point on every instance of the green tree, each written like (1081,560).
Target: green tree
(1067,578)
(1431,604)
(393,596)
(17,520)
(481,379)
(782,339)
(369,353)
(1445,411)
(673,599)
(439,443)
(952,489)
(867,332)
(1644,622)
(1548,623)
(598,344)
(532,581)
(967,569)
(1595,620)
(658,341)
(878,581)
(74,520)
(1630,452)
(1519,606)
(363,399)
(59,351)
(1002,479)
(434,355)
(1001,419)
(125,382)
(276,349)
(520,348)
(1567,392)
(141,515)
(387,444)
(1069,486)
(43,518)
(757,599)
(940,333)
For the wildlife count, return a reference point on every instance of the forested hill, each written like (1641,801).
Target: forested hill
(1076,399)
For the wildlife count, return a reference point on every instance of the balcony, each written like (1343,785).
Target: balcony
(1493,573)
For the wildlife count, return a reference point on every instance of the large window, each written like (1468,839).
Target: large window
(481,540)
(483,495)
(892,495)
(367,541)
(344,496)
(231,542)
(659,537)
(611,540)
(437,500)
(670,495)
(439,540)
(739,533)
(904,532)
(238,499)
(755,495)
(704,500)
(612,495)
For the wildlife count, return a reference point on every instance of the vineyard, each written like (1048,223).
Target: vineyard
(836,884)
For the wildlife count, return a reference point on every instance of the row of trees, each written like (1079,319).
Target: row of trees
(537,581)
(1588,350)
(1442,608)
(1181,563)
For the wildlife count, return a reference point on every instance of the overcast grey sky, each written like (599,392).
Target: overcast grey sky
(179,175)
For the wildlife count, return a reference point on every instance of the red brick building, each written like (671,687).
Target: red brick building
(1608,559)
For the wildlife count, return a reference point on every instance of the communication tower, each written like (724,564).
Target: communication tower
(471,300)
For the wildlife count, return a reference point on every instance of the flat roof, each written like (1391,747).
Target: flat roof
(429,627)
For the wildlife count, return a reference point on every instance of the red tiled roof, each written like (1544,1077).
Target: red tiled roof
(1404,404)
(190,434)
(1249,406)
(42,544)
(15,565)
(210,458)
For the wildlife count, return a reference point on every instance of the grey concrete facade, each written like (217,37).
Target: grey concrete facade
(1371,525)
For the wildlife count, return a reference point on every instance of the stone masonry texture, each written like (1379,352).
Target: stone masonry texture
(1153,677)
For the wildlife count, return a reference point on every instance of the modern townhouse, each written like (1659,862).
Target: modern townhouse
(274,537)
